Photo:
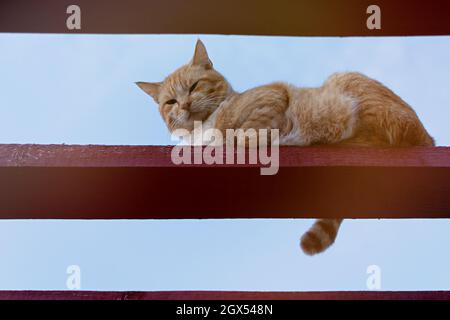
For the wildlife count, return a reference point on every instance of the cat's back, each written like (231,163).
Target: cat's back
(361,86)
(384,118)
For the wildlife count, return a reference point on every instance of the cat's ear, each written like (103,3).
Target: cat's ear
(151,88)
(201,56)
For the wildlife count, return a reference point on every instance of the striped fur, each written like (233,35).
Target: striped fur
(321,235)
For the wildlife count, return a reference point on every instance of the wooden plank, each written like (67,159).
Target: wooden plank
(38,155)
(141,182)
(249,17)
(224,295)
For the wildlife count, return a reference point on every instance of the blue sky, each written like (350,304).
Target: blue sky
(79,89)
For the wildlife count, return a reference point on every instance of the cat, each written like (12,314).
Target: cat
(349,109)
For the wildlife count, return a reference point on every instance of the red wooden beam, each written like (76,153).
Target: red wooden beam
(38,155)
(141,182)
(253,17)
(224,295)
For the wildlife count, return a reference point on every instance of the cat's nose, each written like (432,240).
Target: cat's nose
(186,106)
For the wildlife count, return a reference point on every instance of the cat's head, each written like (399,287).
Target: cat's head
(191,93)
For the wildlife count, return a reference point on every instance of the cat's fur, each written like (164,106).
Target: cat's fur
(348,109)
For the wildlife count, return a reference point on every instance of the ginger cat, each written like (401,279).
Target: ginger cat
(349,109)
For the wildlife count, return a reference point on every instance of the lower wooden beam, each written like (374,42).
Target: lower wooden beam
(224,295)
(98,182)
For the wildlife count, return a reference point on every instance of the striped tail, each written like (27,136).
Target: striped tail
(320,236)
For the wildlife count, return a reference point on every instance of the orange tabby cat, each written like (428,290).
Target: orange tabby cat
(348,109)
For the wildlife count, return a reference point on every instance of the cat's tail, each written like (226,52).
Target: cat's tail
(320,236)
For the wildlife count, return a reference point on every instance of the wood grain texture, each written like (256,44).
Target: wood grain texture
(35,155)
(224,295)
(140,182)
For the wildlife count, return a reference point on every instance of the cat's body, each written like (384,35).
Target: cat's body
(348,109)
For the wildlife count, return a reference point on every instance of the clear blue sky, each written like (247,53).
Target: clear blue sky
(79,89)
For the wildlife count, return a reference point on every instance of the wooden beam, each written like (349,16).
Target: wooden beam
(250,17)
(141,182)
(224,295)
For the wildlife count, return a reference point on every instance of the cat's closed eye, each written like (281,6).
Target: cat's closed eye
(171,101)
(193,87)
